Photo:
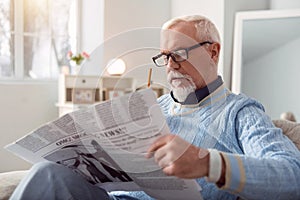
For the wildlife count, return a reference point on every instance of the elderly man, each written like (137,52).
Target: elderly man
(224,141)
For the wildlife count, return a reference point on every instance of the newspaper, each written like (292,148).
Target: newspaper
(106,143)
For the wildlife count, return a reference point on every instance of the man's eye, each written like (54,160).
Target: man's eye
(177,55)
(180,54)
(165,57)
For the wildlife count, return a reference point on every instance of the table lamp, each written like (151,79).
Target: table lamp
(116,67)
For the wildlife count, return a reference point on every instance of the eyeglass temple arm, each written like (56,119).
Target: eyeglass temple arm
(199,45)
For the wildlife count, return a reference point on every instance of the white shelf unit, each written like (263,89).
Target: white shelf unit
(77,92)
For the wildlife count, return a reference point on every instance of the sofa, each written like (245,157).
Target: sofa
(9,180)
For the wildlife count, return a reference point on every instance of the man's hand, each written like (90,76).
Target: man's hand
(179,158)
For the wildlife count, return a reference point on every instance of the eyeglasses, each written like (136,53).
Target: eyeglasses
(177,56)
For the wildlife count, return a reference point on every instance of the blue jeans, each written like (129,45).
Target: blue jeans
(48,180)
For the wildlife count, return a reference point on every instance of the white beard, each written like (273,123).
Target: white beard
(181,91)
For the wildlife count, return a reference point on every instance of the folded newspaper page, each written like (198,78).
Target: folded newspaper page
(106,143)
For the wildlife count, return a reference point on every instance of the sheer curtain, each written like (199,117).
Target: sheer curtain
(48,34)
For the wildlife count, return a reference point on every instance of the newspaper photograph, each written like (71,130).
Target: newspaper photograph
(106,143)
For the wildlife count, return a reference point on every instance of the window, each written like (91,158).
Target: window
(35,37)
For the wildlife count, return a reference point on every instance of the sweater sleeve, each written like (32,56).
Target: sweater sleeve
(270,165)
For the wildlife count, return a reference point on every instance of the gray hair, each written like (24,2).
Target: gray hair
(206,30)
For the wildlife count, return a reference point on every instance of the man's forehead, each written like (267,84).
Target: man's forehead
(173,39)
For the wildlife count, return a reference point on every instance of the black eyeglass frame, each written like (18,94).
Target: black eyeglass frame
(172,53)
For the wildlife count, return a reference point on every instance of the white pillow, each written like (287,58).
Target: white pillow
(9,181)
(290,129)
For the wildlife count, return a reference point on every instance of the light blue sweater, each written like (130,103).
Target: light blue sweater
(261,163)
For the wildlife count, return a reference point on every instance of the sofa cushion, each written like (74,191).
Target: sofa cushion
(9,181)
(290,129)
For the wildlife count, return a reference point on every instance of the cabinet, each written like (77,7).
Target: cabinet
(75,92)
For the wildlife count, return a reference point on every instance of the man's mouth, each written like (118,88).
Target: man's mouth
(177,78)
(179,81)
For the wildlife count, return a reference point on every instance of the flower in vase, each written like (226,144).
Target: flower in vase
(77,58)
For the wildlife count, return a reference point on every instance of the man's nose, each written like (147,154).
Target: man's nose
(172,64)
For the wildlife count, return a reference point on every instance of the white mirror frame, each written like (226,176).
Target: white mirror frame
(238,32)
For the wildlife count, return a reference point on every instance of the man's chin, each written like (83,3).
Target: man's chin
(181,93)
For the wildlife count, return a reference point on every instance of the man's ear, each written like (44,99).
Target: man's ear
(215,51)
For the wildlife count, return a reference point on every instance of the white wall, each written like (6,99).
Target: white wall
(284,4)
(273,79)
(92,24)
(125,15)
(213,9)
(24,106)
(132,32)
(91,30)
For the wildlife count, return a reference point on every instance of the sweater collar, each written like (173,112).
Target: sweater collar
(199,94)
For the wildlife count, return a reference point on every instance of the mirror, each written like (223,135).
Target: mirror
(266,62)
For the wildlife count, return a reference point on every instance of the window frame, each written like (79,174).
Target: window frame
(18,36)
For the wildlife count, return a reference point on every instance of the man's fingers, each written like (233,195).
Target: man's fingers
(158,143)
(169,170)
(159,154)
(164,163)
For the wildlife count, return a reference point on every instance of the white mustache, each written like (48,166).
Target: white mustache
(174,74)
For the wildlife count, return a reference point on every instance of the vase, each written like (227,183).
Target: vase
(75,68)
